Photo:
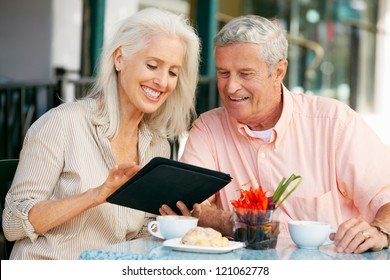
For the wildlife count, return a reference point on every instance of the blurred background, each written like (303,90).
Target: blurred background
(49,51)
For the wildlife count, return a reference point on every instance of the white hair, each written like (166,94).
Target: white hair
(257,30)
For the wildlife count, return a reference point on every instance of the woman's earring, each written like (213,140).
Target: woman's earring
(117,69)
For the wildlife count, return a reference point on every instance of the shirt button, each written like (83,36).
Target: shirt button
(262,155)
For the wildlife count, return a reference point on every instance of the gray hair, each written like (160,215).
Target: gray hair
(258,30)
(174,116)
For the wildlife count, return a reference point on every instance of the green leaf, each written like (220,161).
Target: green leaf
(279,191)
(283,185)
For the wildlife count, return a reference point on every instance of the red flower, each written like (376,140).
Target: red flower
(252,199)
(256,198)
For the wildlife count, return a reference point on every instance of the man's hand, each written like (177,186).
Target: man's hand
(358,236)
(208,216)
(166,210)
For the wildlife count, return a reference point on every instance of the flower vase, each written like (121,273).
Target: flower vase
(258,229)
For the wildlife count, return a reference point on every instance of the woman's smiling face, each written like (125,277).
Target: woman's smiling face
(148,77)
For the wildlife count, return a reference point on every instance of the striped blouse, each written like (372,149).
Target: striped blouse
(65,153)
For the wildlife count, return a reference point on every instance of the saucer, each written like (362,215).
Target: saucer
(176,245)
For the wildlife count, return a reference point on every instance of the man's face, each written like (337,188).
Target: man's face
(248,91)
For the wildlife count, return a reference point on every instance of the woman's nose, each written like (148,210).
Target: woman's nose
(161,79)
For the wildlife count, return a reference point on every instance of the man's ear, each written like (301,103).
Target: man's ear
(280,71)
(118,59)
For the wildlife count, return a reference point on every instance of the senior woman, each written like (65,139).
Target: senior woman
(79,153)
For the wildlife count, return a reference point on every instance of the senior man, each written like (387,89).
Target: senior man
(264,132)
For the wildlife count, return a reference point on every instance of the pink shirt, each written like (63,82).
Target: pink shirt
(344,165)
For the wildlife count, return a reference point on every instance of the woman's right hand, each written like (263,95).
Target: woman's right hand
(47,214)
(117,176)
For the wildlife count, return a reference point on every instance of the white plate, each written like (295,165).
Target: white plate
(176,245)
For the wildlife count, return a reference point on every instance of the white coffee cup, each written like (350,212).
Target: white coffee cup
(310,234)
(171,226)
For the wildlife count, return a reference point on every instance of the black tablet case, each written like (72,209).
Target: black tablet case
(165,181)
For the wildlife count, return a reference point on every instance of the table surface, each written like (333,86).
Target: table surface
(151,248)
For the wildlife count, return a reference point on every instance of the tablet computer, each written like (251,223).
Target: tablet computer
(166,181)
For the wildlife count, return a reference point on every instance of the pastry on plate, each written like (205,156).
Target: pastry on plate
(200,236)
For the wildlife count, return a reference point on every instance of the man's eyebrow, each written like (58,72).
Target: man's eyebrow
(239,70)
(247,69)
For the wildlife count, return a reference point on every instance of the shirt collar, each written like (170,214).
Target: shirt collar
(285,118)
(145,137)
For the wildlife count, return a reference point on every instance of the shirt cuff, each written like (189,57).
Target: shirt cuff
(23,208)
